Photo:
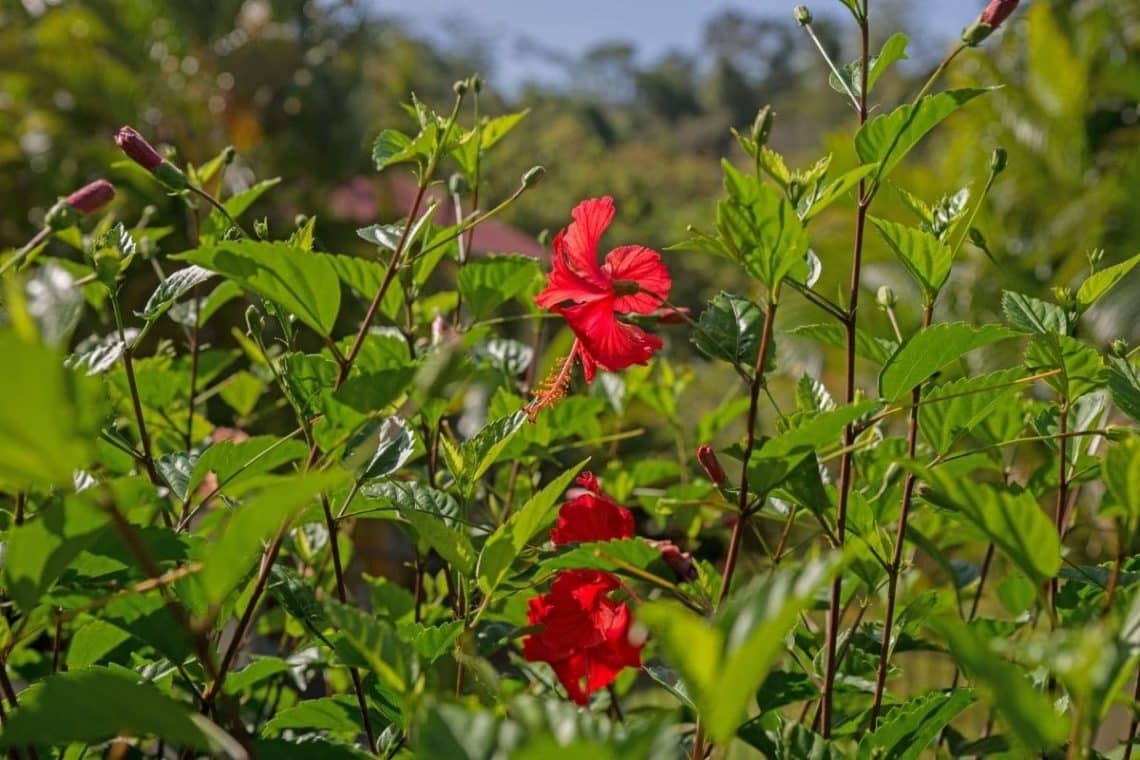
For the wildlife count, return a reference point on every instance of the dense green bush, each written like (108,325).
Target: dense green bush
(262,498)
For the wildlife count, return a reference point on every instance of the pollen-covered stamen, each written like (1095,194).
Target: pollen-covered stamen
(626,287)
(553,389)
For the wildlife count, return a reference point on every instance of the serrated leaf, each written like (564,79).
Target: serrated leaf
(506,543)
(232,461)
(612,556)
(932,349)
(432,514)
(837,189)
(953,409)
(431,641)
(927,259)
(370,641)
(1121,473)
(485,447)
(908,729)
(762,227)
(1081,368)
(729,329)
(489,282)
(1097,285)
(301,282)
(298,599)
(391,147)
(1033,315)
(1123,379)
(172,288)
(888,138)
(236,205)
(1009,516)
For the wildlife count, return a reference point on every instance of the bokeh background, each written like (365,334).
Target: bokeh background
(635,99)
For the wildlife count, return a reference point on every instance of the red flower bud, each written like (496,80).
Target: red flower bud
(707,457)
(91,197)
(998,11)
(137,148)
(681,563)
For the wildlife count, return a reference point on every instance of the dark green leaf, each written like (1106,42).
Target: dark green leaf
(876,350)
(172,288)
(38,551)
(729,329)
(762,229)
(908,729)
(1033,315)
(489,282)
(380,448)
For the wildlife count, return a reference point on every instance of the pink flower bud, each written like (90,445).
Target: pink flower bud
(707,457)
(137,148)
(91,197)
(998,11)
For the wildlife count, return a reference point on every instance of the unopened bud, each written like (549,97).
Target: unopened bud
(1065,297)
(998,161)
(681,563)
(533,176)
(261,228)
(993,16)
(885,297)
(707,457)
(228,155)
(460,87)
(143,153)
(802,14)
(476,83)
(254,321)
(1119,348)
(91,197)
(762,126)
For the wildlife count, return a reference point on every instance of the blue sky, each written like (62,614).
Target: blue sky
(571,26)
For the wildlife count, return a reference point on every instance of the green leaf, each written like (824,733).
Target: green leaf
(41,441)
(951,410)
(228,556)
(1005,687)
(259,670)
(783,687)
(506,543)
(777,459)
(98,704)
(234,461)
(1099,283)
(489,282)
(729,329)
(339,714)
(298,598)
(894,50)
(392,147)
(1009,516)
(932,349)
(837,189)
(39,551)
(1121,473)
(380,448)
(908,729)
(171,289)
(722,663)
(432,514)
(873,349)
(369,642)
(762,228)
(495,129)
(235,206)
(1033,315)
(612,556)
(431,641)
(888,138)
(1081,368)
(927,259)
(484,448)
(1124,381)
(301,282)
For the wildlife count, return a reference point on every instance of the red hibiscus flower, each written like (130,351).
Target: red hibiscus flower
(591,297)
(584,634)
(591,516)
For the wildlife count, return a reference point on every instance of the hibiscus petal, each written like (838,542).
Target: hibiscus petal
(566,284)
(590,517)
(580,242)
(613,344)
(642,265)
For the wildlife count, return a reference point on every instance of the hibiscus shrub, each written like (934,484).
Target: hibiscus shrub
(422,503)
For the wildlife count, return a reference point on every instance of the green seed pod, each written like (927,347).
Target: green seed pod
(803,15)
